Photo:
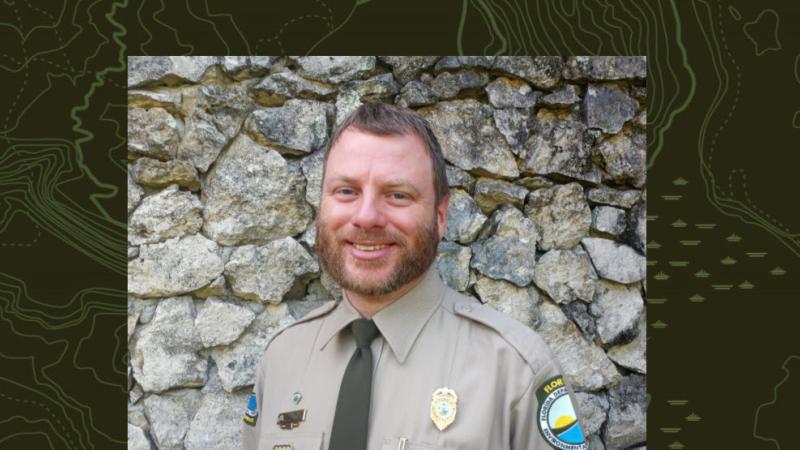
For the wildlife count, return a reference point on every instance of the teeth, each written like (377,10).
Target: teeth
(369,248)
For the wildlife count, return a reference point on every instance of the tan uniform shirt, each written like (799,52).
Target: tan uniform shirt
(509,391)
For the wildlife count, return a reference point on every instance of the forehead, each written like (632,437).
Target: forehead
(357,153)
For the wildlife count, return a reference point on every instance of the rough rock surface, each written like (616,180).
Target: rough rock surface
(566,96)
(609,220)
(605,195)
(593,409)
(617,308)
(152,132)
(542,71)
(160,174)
(452,263)
(174,266)
(448,85)
(415,94)
(335,69)
(169,415)
(627,415)
(632,355)
(566,275)
(469,139)
(583,363)
(167,214)
(221,322)
(519,303)
(312,166)
(561,215)
(253,195)
(510,252)
(615,261)
(623,159)
(509,93)
(560,148)
(464,219)
(165,352)
(407,68)
(490,194)
(605,67)
(135,193)
(137,439)
(275,89)
(265,273)
(608,108)
(514,124)
(297,127)
(217,423)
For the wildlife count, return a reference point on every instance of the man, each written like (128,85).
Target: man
(402,362)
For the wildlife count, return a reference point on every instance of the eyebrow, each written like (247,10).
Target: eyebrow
(391,183)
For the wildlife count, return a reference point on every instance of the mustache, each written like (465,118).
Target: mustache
(382,236)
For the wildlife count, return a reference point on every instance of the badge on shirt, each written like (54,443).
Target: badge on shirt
(251,413)
(443,407)
(558,422)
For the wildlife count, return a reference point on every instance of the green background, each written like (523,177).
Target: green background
(724,123)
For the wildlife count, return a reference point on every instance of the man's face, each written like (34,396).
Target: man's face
(378,226)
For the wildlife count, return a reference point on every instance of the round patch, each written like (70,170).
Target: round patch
(558,422)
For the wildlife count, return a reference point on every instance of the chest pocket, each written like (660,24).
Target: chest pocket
(405,444)
(291,440)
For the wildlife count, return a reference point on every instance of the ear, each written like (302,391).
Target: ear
(441,215)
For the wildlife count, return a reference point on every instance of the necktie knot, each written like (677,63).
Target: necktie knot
(364,331)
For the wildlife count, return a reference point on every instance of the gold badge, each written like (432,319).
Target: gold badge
(443,407)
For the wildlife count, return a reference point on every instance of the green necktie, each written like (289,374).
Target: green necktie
(349,430)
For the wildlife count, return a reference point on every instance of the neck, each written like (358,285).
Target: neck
(368,305)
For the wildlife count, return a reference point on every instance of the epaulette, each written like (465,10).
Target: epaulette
(320,311)
(530,346)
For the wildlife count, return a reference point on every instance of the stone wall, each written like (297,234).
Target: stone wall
(546,221)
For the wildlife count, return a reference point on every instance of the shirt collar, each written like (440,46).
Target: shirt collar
(399,323)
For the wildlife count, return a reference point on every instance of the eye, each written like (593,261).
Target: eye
(399,197)
(344,192)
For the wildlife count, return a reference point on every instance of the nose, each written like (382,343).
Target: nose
(368,214)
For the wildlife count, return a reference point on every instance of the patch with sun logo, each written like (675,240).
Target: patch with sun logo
(558,422)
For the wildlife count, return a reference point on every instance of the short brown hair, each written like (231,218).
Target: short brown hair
(382,118)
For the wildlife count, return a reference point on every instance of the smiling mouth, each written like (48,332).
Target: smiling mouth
(369,247)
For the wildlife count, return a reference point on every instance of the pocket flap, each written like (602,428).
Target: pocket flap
(291,440)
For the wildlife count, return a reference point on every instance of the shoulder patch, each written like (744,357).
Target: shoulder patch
(556,416)
(524,340)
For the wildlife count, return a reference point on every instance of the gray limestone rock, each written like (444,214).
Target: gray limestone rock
(560,147)
(566,96)
(237,362)
(561,215)
(593,410)
(265,273)
(135,193)
(167,99)
(605,67)
(566,275)
(491,194)
(164,354)
(312,166)
(174,266)
(452,262)
(274,89)
(221,322)
(510,93)
(516,302)
(578,312)
(534,183)
(464,219)
(469,139)
(415,94)
(252,195)
(542,71)
(233,65)
(335,69)
(608,108)
(449,84)
(170,415)
(379,89)
(627,416)
(505,258)
(457,178)
(605,195)
(216,288)
(584,363)
(515,125)
(217,425)
(150,70)
(623,158)
(167,214)
(214,115)
(632,355)
(509,222)
(153,132)
(636,234)
(160,174)
(615,261)
(407,68)
(617,308)
(297,127)
(608,220)
(463,62)
(137,438)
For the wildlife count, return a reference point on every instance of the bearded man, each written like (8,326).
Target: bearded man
(403,361)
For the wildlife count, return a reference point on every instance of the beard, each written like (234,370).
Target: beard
(415,257)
